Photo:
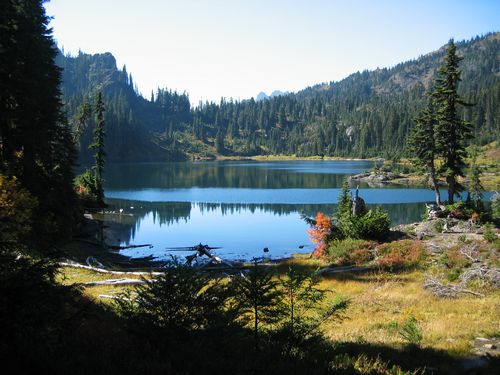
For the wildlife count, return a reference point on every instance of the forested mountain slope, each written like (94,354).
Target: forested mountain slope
(369,113)
(132,122)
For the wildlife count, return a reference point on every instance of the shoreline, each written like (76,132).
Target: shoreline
(291,158)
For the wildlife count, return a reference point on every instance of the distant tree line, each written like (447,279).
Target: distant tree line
(367,114)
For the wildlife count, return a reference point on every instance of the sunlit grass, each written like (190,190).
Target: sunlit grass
(71,275)
(380,302)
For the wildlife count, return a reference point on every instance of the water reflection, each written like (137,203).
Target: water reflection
(242,229)
(272,196)
(254,175)
(243,206)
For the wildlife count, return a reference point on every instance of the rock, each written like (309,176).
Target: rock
(489,347)
(435,212)
(358,205)
(372,179)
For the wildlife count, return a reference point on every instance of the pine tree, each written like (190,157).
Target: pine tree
(301,296)
(98,146)
(36,143)
(219,141)
(83,116)
(423,145)
(344,203)
(452,132)
(257,295)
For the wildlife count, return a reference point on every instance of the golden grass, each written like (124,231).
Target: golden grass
(490,181)
(490,154)
(381,301)
(71,275)
(488,158)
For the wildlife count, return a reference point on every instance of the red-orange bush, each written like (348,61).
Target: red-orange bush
(361,256)
(399,254)
(453,258)
(320,233)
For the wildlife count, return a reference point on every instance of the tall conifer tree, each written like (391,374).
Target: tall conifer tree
(452,132)
(36,143)
(423,145)
(98,146)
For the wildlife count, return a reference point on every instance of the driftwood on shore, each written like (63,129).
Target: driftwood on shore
(113,247)
(113,297)
(103,270)
(442,290)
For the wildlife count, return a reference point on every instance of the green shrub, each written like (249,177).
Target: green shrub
(87,190)
(439,225)
(373,225)
(453,274)
(495,207)
(410,331)
(488,234)
(459,210)
(350,251)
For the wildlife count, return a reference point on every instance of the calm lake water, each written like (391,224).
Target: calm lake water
(241,206)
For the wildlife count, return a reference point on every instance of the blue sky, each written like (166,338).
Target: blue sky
(233,48)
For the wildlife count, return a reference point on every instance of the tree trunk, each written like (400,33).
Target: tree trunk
(451,189)
(435,185)
(256,332)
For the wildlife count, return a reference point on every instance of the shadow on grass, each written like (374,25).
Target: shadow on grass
(432,361)
(49,328)
(100,342)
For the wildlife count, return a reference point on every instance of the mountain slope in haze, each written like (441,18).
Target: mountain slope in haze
(131,120)
(369,113)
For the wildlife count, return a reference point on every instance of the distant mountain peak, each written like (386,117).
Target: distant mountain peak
(278,93)
(262,95)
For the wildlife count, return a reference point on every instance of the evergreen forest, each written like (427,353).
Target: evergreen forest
(367,114)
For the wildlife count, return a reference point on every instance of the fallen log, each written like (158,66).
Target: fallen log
(114,282)
(113,247)
(113,297)
(91,259)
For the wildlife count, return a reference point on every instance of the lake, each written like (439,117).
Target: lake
(241,206)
